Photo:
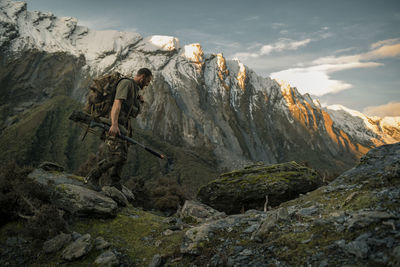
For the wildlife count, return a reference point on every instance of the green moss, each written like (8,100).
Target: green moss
(135,232)
(76,177)
(268,177)
(361,200)
(302,245)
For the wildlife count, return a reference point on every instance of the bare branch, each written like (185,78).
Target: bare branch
(266,203)
(24,216)
(29,203)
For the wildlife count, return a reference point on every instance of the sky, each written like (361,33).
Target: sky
(341,52)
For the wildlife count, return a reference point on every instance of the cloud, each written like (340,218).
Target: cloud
(315,78)
(310,81)
(245,55)
(385,42)
(385,51)
(251,18)
(381,50)
(389,109)
(277,25)
(283,44)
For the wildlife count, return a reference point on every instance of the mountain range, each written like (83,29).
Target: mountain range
(208,113)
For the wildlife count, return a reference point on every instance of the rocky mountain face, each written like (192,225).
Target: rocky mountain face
(217,113)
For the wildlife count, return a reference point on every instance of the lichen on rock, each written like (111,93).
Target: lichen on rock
(245,189)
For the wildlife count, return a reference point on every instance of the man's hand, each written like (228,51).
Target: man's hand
(114,130)
(141,99)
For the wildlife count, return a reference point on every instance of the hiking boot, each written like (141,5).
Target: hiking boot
(92,183)
(117,185)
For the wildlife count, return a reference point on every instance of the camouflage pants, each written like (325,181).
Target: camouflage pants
(113,155)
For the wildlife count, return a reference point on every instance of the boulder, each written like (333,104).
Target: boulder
(78,248)
(248,188)
(84,202)
(197,237)
(56,243)
(106,259)
(100,243)
(115,194)
(128,193)
(51,166)
(270,222)
(383,161)
(46,176)
(74,197)
(199,212)
(156,261)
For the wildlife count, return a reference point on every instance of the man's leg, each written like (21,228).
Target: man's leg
(118,152)
(115,153)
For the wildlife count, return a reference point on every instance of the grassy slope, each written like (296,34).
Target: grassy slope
(44,133)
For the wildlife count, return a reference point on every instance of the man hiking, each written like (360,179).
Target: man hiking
(126,105)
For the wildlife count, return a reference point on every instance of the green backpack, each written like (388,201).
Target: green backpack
(101,94)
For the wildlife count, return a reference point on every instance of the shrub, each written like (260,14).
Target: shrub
(20,197)
(164,194)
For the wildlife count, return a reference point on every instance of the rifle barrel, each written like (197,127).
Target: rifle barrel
(85,118)
(130,140)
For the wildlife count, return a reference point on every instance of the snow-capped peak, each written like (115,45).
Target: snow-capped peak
(160,43)
(355,123)
(194,52)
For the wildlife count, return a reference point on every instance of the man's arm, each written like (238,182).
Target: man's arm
(116,108)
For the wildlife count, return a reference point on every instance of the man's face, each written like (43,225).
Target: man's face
(144,81)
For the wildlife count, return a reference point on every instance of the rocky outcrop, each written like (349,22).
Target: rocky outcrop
(56,243)
(355,220)
(74,197)
(115,194)
(107,259)
(84,202)
(78,248)
(199,212)
(258,187)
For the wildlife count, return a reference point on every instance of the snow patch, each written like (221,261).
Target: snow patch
(194,53)
(159,43)
(358,125)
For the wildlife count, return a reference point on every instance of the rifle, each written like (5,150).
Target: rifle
(92,122)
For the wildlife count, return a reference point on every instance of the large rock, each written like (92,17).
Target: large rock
(73,196)
(78,248)
(84,202)
(199,212)
(106,259)
(248,188)
(115,194)
(383,162)
(196,238)
(47,176)
(51,166)
(56,243)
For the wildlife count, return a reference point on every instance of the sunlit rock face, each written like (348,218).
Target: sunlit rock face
(194,53)
(196,100)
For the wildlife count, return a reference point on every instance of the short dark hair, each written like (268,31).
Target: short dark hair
(145,71)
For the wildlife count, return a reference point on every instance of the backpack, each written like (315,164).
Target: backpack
(101,94)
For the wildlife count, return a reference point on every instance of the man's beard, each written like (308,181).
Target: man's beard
(141,84)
